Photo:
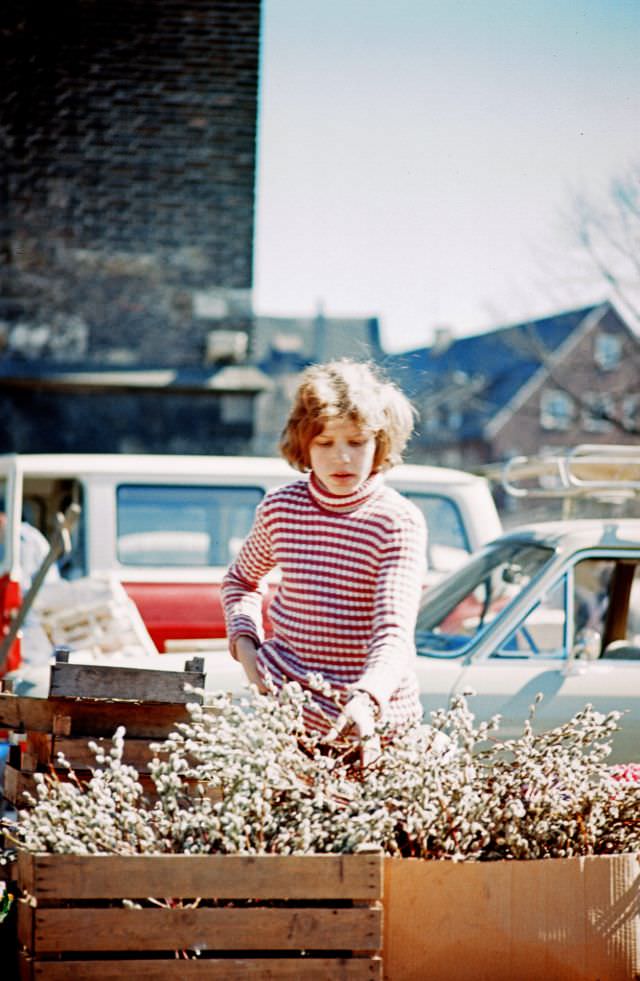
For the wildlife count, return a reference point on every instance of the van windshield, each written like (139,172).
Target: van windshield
(163,525)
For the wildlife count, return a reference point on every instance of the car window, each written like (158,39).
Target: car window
(543,632)
(456,610)
(590,613)
(162,525)
(448,544)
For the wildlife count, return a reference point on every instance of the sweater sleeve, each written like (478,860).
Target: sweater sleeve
(400,579)
(242,588)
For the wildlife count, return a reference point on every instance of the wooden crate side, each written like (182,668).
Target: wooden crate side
(226,928)
(19,782)
(91,717)
(25,925)
(15,784)
(211,969)
(81,877)
(24,871)
(76,751)
(102,681)
(40,747)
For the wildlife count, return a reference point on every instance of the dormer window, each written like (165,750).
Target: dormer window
(556,409)
(607,351)
(597,412)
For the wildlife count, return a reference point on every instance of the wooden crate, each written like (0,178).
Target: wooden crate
(91,701)
(260,917)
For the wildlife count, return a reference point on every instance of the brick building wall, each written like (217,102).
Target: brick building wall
(127,176)
(578,375)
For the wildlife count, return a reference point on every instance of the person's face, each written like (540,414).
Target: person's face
(341,456)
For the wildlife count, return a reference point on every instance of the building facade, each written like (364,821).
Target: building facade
(528,388)
(126,214)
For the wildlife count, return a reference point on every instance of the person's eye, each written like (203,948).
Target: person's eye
(357,442)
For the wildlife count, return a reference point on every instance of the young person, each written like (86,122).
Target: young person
(352,554)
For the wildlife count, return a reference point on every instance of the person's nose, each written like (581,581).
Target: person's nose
(343,452)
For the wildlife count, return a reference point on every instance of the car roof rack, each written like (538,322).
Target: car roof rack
(605,471)
(589,469)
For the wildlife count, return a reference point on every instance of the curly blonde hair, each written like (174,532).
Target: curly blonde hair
(347,390)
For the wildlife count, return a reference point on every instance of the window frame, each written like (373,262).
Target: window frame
(550,419)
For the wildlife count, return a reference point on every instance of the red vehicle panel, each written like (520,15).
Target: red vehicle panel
(188,611)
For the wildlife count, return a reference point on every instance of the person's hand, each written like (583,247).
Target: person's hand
(247,655)
(357,721)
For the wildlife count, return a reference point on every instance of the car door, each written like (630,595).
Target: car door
(567,647)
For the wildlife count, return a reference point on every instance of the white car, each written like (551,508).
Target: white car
(551,608)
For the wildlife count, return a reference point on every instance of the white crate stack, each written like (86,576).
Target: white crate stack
(93,616)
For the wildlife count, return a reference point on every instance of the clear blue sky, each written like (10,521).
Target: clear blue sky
(415,156)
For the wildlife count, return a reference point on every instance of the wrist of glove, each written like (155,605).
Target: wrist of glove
(359,715)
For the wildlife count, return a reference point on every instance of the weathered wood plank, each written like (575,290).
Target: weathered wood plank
(25,924)
(39,745)
(17,782)
(42,751)
(81,877)
(225,928)
(103,681)
(211,969)
(91,717)
(76,751)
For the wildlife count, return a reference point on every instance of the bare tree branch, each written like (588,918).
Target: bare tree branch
(608,232)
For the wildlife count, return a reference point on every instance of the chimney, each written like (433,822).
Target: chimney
(442,338)
(319,335)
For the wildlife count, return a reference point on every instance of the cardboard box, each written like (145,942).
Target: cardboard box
(575,919)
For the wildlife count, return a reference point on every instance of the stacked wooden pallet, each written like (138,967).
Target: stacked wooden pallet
(228,917)
(89,702)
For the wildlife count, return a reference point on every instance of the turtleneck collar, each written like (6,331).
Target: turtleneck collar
(343,504)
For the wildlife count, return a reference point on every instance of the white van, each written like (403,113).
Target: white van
(167,526)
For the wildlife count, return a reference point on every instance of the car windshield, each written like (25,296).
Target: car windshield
(457,610)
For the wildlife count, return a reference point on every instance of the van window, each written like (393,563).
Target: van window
(448,545)
(160,525)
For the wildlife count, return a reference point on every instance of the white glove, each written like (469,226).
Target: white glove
(357,719)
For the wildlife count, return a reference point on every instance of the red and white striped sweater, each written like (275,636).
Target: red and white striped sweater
(352,572)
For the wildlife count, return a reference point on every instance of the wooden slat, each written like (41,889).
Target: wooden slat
(91,717)
(25,924)
(226,928)
(103,681)
(211,969)
(76,751)
(43,749)
(40,745)
(81,877)
(16,782)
